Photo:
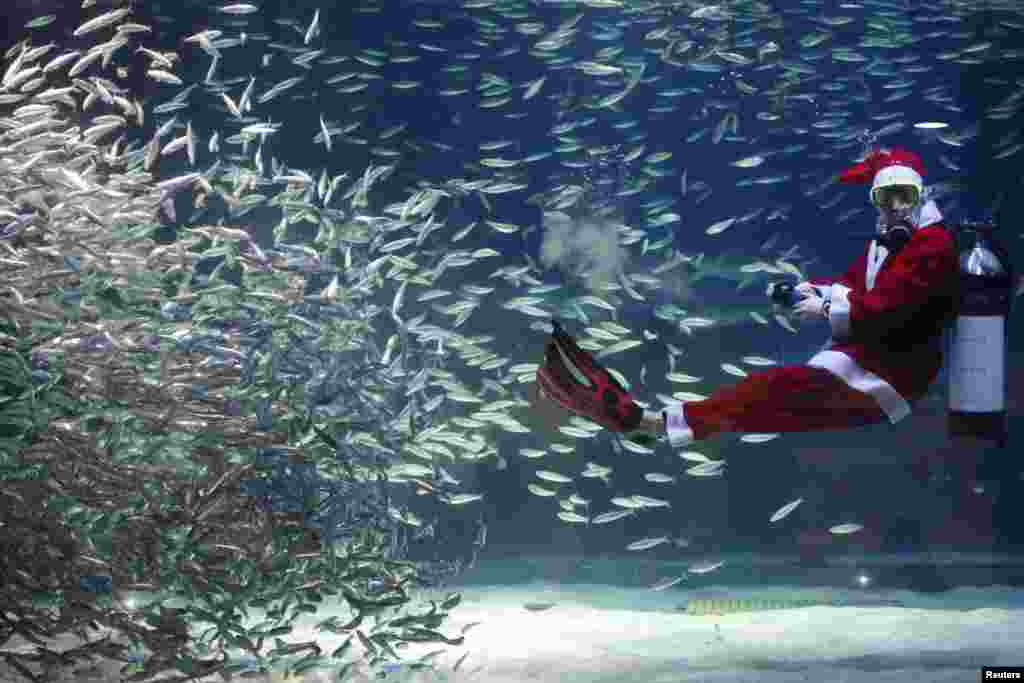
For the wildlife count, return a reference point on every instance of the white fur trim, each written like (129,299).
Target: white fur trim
(859,379)
(876,257)
(897,175)
(678,430)
(929,214)
(839,311)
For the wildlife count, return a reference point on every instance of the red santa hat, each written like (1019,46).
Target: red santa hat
(886,168)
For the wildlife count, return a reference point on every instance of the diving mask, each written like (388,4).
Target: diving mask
(895,196)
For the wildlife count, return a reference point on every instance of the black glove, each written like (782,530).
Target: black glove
(783,293)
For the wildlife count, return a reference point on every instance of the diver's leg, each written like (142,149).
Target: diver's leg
(795,398)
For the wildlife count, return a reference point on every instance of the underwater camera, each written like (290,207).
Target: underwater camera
(783,293)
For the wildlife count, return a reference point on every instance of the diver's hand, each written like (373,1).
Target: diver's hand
(805,288)
(810,307)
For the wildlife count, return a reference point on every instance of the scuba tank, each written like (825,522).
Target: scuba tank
(978,341)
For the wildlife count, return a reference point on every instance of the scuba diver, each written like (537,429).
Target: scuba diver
(887,315)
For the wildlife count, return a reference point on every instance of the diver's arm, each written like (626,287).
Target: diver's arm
(849,279)
(920,271)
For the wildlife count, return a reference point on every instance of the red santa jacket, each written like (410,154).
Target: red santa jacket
(887,316)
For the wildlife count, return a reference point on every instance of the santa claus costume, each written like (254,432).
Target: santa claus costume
(887,314)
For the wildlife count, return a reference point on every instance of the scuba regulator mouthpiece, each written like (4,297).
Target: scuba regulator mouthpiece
(896,236)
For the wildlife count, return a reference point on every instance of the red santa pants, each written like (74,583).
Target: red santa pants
(796,398)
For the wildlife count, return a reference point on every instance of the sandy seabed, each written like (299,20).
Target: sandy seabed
(592,633)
